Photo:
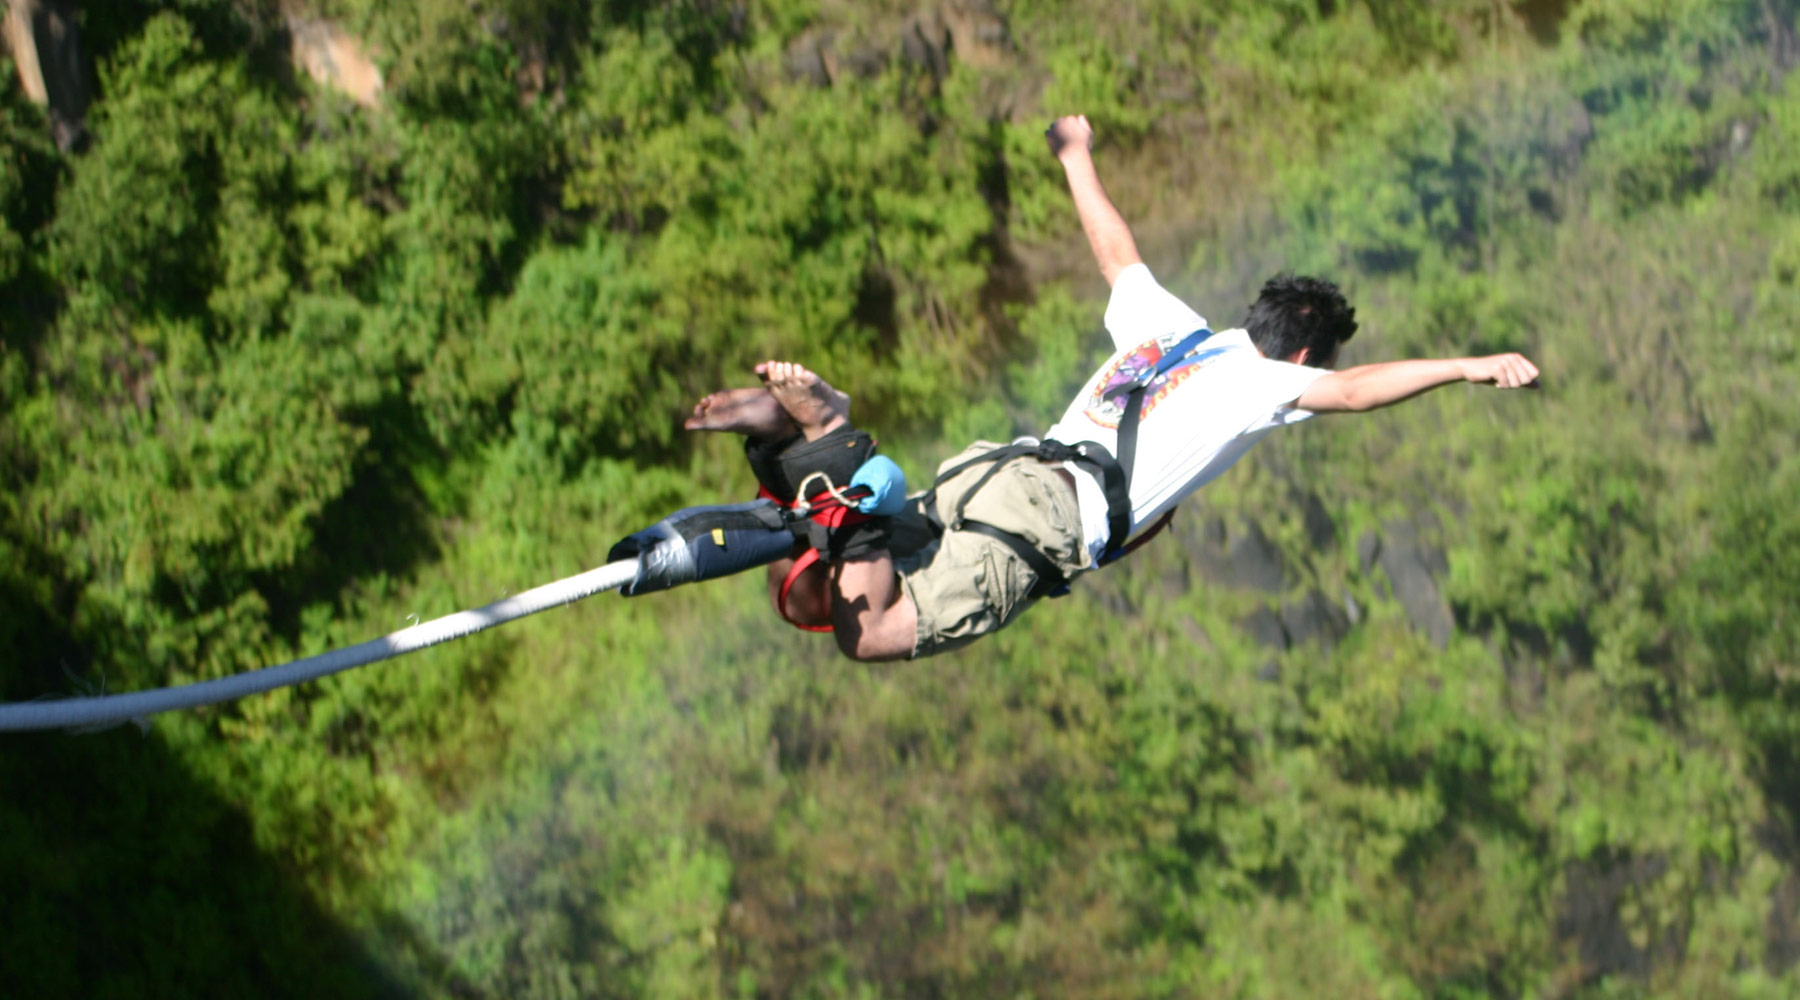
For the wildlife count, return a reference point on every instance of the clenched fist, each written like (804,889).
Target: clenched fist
(1070,133)
(1503,371)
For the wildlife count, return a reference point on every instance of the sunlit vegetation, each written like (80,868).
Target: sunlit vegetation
(1491,694)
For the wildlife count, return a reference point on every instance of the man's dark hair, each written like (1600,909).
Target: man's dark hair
(1294,312)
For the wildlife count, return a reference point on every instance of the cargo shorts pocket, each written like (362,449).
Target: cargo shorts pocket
(972,586)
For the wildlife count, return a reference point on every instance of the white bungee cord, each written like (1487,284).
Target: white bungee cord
(105,710)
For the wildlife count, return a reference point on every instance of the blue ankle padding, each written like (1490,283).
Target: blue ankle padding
(886,483)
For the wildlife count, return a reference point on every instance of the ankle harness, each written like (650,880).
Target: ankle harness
(805,477)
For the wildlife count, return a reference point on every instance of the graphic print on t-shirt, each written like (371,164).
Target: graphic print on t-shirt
(1106,410)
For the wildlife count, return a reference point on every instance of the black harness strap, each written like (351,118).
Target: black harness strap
(1050,579)
(1088,455)
(1115,485)
(1128,432)
(1091,456)
(1134,402)
(957,519)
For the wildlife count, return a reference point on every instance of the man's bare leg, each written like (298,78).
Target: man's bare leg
(754,412)
(809,600)
(871,616)
(818,408)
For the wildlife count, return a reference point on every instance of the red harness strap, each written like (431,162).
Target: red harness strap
(828,511)
(801,565)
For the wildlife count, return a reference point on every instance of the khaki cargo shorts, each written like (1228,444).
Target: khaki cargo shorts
(966,584)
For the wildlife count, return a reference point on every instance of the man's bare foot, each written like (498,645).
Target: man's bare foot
(818,408)
(752,412)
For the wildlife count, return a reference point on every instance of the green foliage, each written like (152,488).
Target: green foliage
(26,152)
(1667,78)
(280,373)
(1423,207)
(131,230)
(792,222)
(1105,83)
(1776,176)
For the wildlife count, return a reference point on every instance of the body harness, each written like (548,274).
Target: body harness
(787,473)
(1114,475)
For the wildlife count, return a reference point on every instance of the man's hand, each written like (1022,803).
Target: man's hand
(1070,138)
(1070,133)
(1503,371)
(1370,387)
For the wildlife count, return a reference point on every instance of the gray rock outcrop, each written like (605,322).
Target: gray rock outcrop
(46,47)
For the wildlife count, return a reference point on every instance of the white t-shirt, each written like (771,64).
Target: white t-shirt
(1197,419)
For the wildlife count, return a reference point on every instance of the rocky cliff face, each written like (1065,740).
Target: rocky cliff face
(1410,570)
(1397,560)
(44,43)
(334,59)
(970,31)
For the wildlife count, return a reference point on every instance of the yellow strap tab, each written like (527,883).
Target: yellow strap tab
(719,537)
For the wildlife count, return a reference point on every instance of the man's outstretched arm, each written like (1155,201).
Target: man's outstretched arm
(1369,387)
(1071,139)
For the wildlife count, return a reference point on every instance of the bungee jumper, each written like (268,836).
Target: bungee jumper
(894,576)
(1176,404)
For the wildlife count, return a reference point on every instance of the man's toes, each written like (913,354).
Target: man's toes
(775,373)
